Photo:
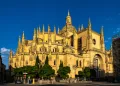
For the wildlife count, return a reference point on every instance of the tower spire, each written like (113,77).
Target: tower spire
(54,29)
(11,53)
(54,33)
(68,13)
(82,27)
(48,28)
(89,23)
(43,28)
(58,30)
(23,37)
(79,28)
(34,31)
(68,19)
(102,31)
(102,40)
(35,34)
(19,41)
(39,29)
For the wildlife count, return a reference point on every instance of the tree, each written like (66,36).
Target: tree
(38,62)
(46,71)
(46,61)
(18,71)
(81,74)
(63,71)
(87,72)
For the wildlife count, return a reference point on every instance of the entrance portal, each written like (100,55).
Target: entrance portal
(97,66)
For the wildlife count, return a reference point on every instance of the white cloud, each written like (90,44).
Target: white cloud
(109,38)
(5,51)
(4,57)
(106,41)
(116,31)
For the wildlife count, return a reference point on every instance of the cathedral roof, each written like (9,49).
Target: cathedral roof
(71,28)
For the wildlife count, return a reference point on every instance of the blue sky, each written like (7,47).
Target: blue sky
(17,16)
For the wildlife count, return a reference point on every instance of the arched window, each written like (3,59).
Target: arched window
(80,64)
(26,62)
(40,49)
(72,40)
(79,45)
(15,64)
(53,50)
(54,62)
(77,63)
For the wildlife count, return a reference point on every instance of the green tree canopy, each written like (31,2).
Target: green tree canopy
(38,62)
(63,71)
(46,61)
(46,71)
(87,72)
(81,74)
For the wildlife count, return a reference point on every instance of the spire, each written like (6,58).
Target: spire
(68,19)
(43,28)
(79,28)
(19,41)
(11,53)
(23,37)
(35,34)
(102,31)
(102,40)
(54,29)
(54,33)
(58,30)
(48,28)
(89,24)
(68,13)
(82,27)
(39,29)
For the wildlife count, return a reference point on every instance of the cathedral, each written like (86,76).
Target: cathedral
(76,48)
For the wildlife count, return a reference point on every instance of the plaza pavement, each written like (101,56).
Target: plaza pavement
(67,84)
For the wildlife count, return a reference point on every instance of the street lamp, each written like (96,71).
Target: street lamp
(24,73)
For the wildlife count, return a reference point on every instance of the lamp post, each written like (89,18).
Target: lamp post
(24,73)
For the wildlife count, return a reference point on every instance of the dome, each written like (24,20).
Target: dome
(70,29)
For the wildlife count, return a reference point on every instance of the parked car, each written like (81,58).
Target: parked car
(18,82)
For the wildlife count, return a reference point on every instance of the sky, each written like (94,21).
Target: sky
(17,16)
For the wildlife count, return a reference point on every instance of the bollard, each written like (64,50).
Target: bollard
(24,81)
(33,81)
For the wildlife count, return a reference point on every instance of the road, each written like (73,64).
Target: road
(71,84)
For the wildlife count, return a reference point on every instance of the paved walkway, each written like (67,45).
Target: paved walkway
(67,84)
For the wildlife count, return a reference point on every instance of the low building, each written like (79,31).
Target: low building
(116,55)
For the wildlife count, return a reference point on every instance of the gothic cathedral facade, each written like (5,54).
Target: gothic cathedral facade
(75,48)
